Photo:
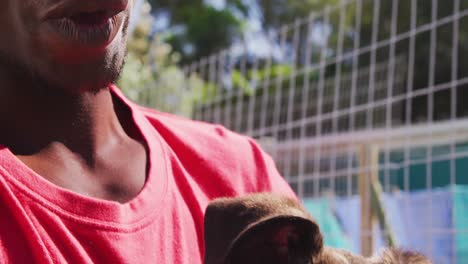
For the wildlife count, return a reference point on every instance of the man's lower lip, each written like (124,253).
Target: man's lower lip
(85,34)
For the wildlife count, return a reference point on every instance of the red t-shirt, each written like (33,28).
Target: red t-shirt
(190,163)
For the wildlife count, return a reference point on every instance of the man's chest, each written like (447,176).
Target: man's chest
(117,177)
(39,235)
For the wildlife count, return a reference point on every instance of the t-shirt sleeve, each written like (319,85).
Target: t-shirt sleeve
(268,179)
(220,162)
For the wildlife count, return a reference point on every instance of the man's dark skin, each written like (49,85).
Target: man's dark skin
(57,114)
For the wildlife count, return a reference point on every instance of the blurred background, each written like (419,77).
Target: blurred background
(363,104)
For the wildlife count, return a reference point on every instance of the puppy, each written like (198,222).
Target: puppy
(271,229)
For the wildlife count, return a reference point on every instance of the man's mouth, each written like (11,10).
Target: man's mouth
(90,29)
(86,24)
(90,19)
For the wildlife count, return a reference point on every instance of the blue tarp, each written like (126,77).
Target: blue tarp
(328,222)
(461,223)
(433,222)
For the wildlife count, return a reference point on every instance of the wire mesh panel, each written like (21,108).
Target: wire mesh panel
(363,107)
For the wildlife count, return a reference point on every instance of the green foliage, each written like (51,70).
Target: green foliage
(152,77)
(240,81)
(207,30)
(280,12)
(247,82)
(274,71)
(197,30)
(135,77)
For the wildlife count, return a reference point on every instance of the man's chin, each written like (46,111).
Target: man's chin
(81,71)
(91,77)
(43,73)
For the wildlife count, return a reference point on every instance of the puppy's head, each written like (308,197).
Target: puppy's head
(270,229)
(260,228)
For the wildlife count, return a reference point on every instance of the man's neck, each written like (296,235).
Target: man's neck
(75,140)
(83,122)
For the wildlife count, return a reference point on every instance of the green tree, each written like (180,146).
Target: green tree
(279,12)
(151,75)
(197,29)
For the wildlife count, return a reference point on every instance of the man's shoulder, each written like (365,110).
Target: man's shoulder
(231,162)
(195,132)
(212,145)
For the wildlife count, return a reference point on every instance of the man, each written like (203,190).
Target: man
(85,175)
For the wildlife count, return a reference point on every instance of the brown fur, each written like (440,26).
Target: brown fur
(272,229)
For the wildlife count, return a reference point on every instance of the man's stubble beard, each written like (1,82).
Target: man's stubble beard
(38,83)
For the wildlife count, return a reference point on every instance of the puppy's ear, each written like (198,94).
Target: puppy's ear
(279,240)
(258,228)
